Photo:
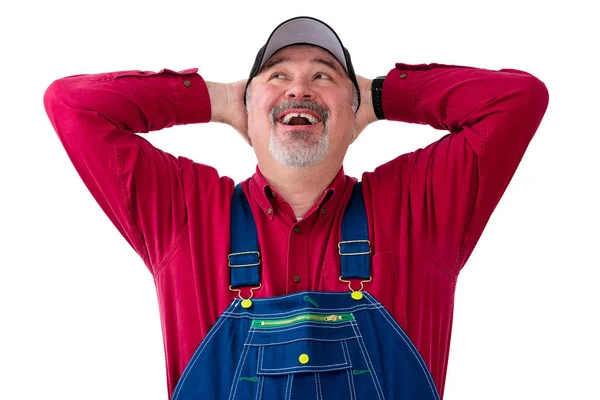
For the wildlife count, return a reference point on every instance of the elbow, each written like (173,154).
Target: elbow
(527,101)
(54,96)
(535,97)
(63,96)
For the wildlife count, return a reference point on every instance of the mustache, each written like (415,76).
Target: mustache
(306,104)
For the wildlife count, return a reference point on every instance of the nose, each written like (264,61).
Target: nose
(299,90)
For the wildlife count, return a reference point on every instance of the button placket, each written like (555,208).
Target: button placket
(298,256)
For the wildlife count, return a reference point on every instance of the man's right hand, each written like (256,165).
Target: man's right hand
(227,105)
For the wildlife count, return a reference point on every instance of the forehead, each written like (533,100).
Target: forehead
(303,53)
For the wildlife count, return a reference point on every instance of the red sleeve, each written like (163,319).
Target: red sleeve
(450,188)
(138,186)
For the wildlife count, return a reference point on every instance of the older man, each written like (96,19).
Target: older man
(342,288)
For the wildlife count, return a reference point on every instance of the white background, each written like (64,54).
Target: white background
(78,311)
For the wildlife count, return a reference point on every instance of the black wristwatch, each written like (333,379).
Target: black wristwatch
(376,90)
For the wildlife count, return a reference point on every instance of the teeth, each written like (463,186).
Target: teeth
(311,118)
(286,119)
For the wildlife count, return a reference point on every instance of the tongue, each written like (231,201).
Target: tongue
(299,121)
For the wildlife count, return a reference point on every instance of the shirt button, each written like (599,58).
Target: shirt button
(297,229)
(269,210)
(296,279)
(323,211)
(187,83)
(402,76)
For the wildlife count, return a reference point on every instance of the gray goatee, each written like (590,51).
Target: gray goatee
(297,149)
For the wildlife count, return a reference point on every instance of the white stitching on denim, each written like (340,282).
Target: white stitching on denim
(288,386)
(200,349)
(296,311)
(364,352)
(328,325)
(261,379)
(344,349)
(318,386)
(412,348)
(322,368)
(261,353)
(320,325)
(240,365)
(351,385)
(262,386)
(299,340)
(350,378)
(259,388)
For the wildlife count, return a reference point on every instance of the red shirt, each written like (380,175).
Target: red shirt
(426,209)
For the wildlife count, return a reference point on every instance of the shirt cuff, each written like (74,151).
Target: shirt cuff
(399,94)
(191,96)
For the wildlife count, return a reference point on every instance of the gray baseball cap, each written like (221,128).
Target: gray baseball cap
(304,30)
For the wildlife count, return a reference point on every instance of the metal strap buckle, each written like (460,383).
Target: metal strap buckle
(240,291)
(361,284)
(357,294)
(246,303)
(243,265)
(354,241)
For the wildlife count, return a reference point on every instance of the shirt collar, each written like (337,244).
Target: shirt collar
(267,197)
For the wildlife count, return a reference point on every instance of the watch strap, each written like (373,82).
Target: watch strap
(376,93)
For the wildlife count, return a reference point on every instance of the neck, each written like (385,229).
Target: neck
(301,188)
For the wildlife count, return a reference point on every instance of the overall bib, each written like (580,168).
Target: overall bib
(307,345)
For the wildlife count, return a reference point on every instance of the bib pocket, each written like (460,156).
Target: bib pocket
(304,355)
(303,343)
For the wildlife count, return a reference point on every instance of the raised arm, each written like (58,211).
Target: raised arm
(453,185)
(139,187)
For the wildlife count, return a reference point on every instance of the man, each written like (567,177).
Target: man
(300,110)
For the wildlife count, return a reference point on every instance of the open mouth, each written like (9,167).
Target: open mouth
(298,118)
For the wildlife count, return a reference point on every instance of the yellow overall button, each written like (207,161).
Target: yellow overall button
(303,358)
(247,303)
(357,295)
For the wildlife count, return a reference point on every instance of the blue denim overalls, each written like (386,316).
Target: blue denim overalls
(307,345)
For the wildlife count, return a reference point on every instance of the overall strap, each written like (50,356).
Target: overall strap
(355,248)
(244,259)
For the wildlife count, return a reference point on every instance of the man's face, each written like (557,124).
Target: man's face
(300,110)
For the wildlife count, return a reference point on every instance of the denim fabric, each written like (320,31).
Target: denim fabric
(308,345)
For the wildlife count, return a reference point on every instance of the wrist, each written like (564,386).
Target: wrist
(219,99)
(367,101)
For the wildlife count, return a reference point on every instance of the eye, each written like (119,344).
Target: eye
(277,75)
(322,76)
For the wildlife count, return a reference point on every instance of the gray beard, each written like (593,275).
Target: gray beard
(296,149)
